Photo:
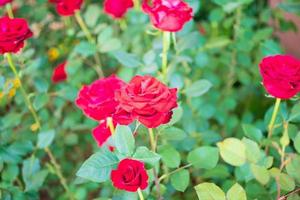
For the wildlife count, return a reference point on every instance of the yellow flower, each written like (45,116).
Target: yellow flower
(12,93)
(34,127)
(53,54)
(17,83)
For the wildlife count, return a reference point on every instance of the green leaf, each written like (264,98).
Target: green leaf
(124,140)
(261,174)
(91,15)
(286,182)
(209,191)
(32,175)
(98,167)
(236,192)
(127,59)
(180,180)
(173,133)
(45,139)
(233,151)
(198,88)
(297,142)
(40,101)
(292,7)
(252,132)
(252,150)
(112,44)
(146,156)
(293,168)
(86,49)
(169,155)
(204,157)
(177,115)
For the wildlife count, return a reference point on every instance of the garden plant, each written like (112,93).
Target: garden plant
(148,99)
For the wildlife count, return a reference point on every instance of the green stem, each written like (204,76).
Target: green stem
(37,122)
(84,27)
(9,10)
(137,5)
(152,139)
(166,46)
(140,194)
(273,119)
(173,172)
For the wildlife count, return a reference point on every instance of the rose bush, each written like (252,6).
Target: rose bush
(148,99)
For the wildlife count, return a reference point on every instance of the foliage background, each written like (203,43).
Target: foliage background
(215,66)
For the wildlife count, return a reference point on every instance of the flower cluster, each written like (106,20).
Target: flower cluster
(281,76)
(144,99)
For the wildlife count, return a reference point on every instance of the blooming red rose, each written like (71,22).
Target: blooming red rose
(117,8)
(59,73)
(3,2)
(13,33)
(67,7)
(168,15)
(102,133)
(130,175)
(97,100)
(281,75)
(148,100)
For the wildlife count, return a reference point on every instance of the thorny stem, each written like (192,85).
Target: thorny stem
(173,172)
(37,122)
(166,46)
(90,38)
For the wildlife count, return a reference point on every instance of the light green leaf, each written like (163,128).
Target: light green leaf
(261,174)
(233,151)
(204,157)
(297,142)
(209,191)
(126,59)
(86,49)
(252,150)
(236,192)
(45,139)
(198,88)
(40,101)
(98,167)
(169,155)
(112,44)
(293,168)
(286,182)
(146,156)
(180,180)
(173,133)
(252,132)
(124,140)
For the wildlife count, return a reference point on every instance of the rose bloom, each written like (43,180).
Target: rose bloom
(130,175)
(59,73)
(13,33)
(148,100)
(67,7)
(3,2)
(168,15)
(281,75)
(97,100)
(117,8)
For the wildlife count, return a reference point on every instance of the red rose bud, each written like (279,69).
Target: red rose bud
(148,100)
(130,176)
(117,8)
(97,100)
(13,33)
(59,73)
(168,15)
(67,7)
(3,2)
(102,133)
(281,75)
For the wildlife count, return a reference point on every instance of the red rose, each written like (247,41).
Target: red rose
(281,75)
(148,100)
(117,8)
(97,100)
(102,133)
(3,2)
(168,15)
(130,176)
(59,73)
(67,7)
(13,33)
